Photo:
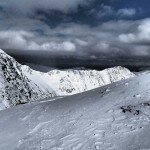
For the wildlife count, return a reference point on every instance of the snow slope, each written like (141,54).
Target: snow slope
(20,84)
(113,117)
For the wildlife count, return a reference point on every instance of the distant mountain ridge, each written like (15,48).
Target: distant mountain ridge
(20,84)
(68,82)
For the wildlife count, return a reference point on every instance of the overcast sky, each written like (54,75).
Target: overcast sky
(94,28)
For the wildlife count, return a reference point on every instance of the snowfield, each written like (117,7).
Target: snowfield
(113,117)
(20,84)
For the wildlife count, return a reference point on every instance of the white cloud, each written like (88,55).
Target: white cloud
(27,41)
(126,12)
(103,46)
(14,38)
(105,10)
(81,42)
(126,38)
(141,35)
(63,46)
(144,30)
(69,46)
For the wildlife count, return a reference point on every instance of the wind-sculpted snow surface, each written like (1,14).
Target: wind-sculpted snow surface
(113,117)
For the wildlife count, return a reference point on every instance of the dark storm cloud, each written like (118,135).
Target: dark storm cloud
(22,28)
(110,38)
(26,6)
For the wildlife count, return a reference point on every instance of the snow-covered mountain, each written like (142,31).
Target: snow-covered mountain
(20,84)
(69,82)
(15,87)
(113,117)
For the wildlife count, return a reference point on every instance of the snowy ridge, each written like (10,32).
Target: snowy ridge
(20,84)
(69,82)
